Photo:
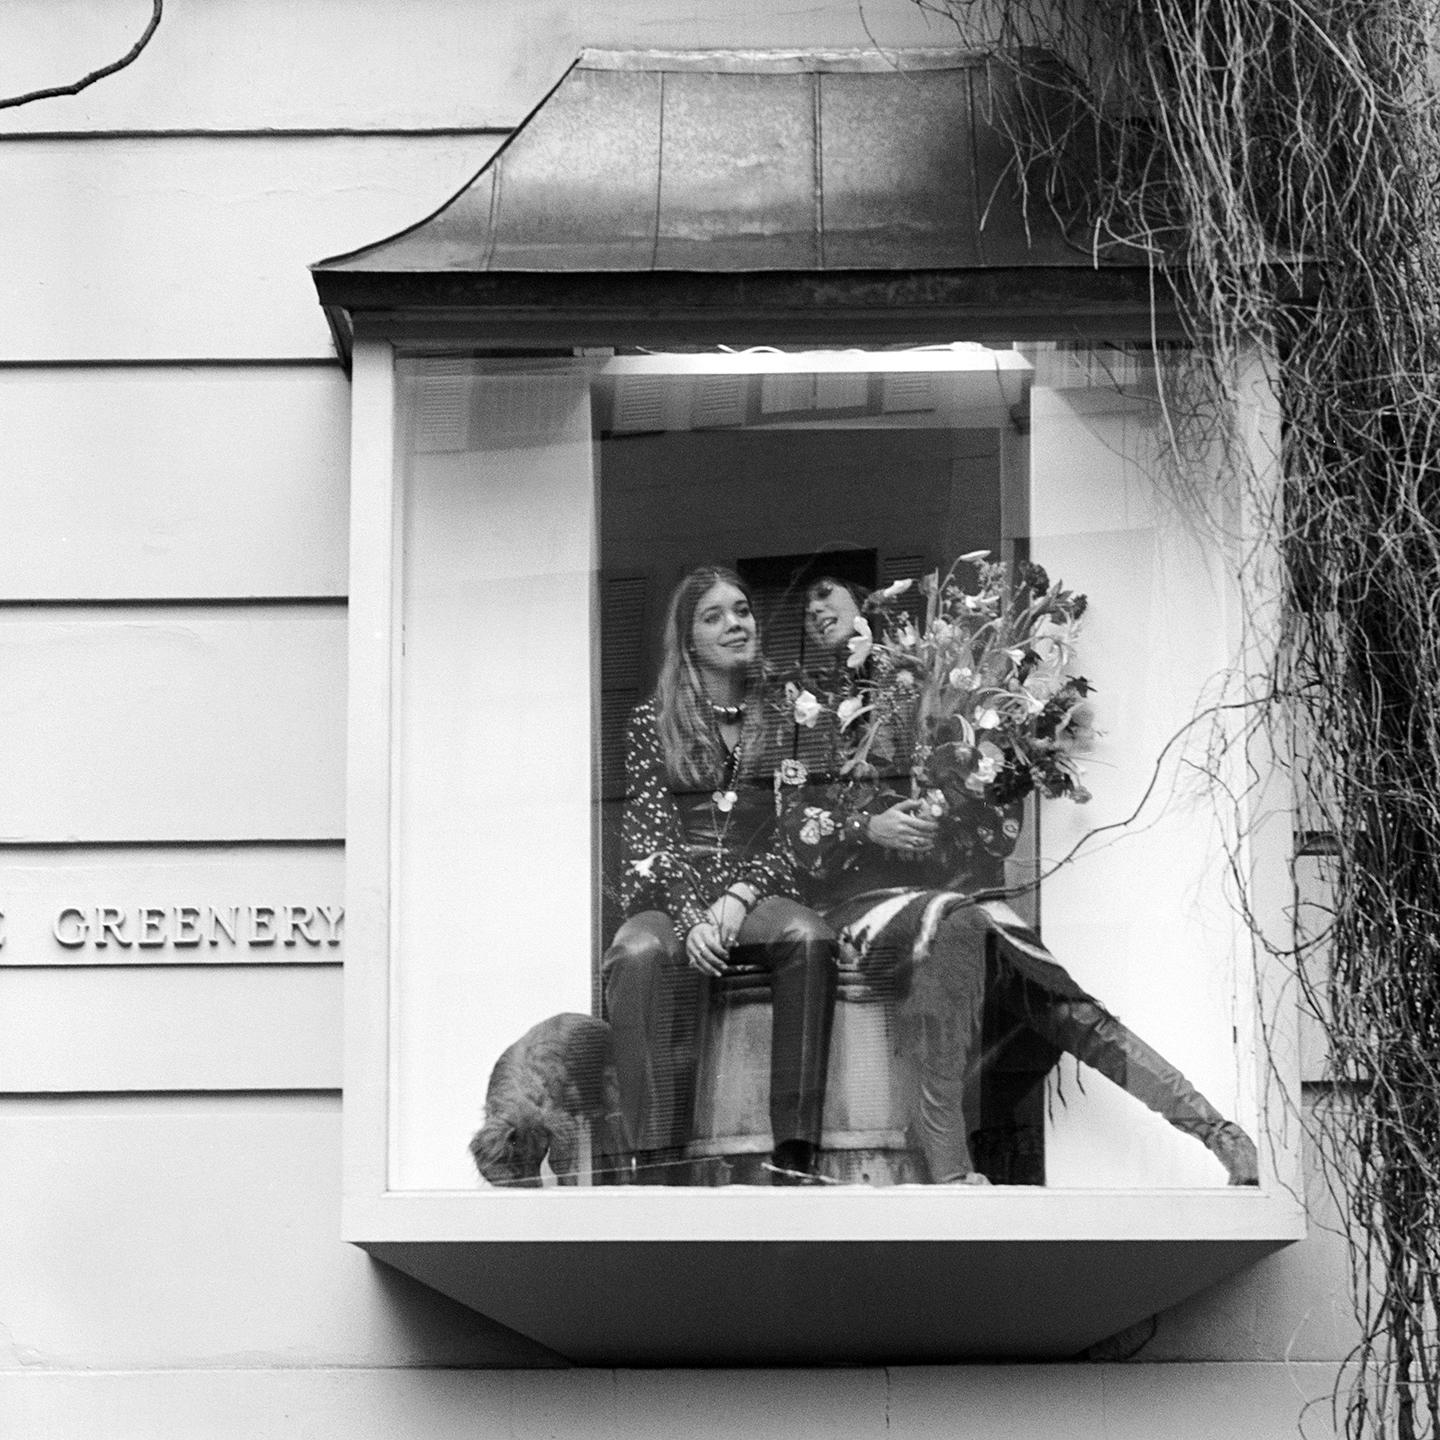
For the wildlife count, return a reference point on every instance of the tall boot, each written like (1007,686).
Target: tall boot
(1093,1035)
(803,977)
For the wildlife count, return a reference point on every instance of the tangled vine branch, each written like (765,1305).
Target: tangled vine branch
(1278,162)
(74,87)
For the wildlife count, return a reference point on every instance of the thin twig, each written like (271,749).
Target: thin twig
(130,56)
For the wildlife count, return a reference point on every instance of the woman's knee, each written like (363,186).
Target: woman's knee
(644,943)
(964,932)
(1083,1017)
(779,919)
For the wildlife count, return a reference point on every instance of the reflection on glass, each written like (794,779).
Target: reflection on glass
(834,692)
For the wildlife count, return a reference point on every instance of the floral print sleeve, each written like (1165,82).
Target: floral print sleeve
(650,834)
(824,824)
(823,811)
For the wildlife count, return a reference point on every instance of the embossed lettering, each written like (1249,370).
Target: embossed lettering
(156,927)
(332,917)
(228,925)
(298,920)
(187,926)
(71,928)
(110,921)
(150,922)
(262,924)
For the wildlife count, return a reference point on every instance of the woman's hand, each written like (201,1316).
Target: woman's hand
(708,944)
(730,910)
(903,827)
(704,949)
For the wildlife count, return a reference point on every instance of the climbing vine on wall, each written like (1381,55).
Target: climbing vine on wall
(1278,163)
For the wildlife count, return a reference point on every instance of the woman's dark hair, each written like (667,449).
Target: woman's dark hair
(858,593)
(689,739)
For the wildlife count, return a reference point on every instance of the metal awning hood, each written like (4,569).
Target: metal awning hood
(723,164)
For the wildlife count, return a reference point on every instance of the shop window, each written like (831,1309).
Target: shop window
(552,427)
(520,524)
(550,508)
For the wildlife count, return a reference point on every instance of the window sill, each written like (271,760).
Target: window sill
(856,1276)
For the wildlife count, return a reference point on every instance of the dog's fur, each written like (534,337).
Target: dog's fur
(558,1073)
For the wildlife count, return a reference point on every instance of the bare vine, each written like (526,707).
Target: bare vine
(74,87)
(1278,163)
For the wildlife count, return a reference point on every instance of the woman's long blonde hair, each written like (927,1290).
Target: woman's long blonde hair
(689,738)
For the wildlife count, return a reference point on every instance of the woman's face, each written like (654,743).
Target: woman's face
(830,614)
(722,635)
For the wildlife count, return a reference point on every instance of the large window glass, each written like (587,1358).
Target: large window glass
(794,781)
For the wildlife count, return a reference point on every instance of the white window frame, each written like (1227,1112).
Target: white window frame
(483,1245)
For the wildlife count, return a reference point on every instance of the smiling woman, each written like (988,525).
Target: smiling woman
(708,888)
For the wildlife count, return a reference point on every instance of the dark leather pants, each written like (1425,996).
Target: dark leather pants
(651,1001)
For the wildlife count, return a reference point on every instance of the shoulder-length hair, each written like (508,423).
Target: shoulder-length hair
(860,594)
(689,737)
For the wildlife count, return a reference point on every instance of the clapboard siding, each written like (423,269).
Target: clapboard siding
(354,63)
(233,1027)
(214,1218)
(200,1231)
(195,248)
(242,904)
(1082,1402)
(174,723)
(173,483)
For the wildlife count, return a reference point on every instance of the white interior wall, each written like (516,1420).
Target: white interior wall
(493,769)
(1140,916)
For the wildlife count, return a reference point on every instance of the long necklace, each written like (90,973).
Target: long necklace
(722,801)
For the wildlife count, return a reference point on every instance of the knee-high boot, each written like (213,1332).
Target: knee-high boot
(803,998)
(1093,1035)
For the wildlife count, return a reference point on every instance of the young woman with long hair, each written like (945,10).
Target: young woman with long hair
(865,847)
(708,881)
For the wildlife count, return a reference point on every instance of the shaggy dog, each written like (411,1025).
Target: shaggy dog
(555,1075)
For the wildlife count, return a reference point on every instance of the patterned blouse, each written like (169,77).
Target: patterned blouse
(825,817)
(824,813)
(683,848)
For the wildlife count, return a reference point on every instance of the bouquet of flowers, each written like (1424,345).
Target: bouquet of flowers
(978,690)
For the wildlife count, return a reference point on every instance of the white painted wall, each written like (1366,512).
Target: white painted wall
(194,247)
(1141,916)
(169,1134)
(173,723)
(242,64)
(211,482)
